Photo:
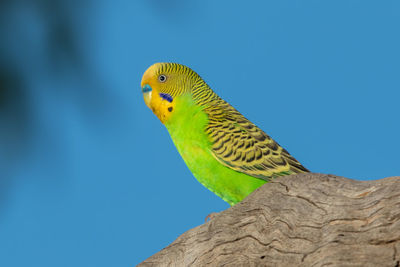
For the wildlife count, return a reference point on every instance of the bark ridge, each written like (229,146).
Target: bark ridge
(305,219)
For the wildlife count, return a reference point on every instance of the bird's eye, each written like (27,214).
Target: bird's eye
(162,78)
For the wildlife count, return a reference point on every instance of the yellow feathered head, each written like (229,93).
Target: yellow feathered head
(162,83)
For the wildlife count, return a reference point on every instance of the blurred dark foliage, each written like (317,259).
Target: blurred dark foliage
(41,41)
(15,75)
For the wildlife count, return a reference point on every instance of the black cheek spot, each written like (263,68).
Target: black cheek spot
(170,109)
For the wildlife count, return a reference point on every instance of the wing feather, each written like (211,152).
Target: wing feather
(240,145)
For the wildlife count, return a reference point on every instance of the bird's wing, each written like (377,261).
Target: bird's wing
(240,145)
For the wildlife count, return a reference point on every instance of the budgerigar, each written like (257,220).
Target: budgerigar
(227,153)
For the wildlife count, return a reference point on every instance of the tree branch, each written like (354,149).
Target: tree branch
(299,220)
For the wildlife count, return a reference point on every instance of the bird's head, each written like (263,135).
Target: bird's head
(163,83)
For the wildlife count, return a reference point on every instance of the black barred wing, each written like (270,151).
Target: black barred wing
(240,145)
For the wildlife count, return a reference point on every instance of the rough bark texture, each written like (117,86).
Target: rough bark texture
(298,220)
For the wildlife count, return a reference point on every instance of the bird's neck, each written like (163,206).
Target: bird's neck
(186,115)
(202,94)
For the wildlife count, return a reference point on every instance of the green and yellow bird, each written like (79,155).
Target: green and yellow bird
(225,152)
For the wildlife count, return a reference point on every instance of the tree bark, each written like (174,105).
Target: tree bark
(298,220)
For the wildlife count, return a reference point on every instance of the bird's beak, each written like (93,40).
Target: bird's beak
(147,93)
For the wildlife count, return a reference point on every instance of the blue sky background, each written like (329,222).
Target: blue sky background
(90,177)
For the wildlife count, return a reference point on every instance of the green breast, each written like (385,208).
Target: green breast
(186,127)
